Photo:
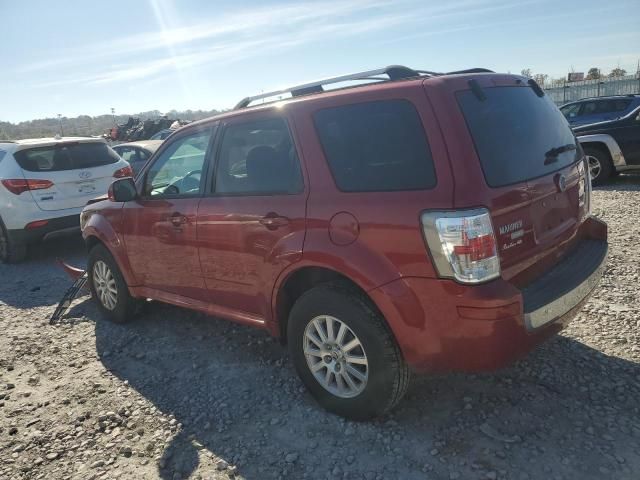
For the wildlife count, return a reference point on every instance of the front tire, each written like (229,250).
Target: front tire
(600,166)
(108,286)
(345,353)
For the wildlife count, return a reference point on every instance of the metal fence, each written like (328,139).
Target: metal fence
(569,91)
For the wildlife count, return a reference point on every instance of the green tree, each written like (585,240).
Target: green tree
(593,73)
(617,72)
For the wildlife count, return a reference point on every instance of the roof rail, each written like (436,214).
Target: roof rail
(470,70)
(393,72)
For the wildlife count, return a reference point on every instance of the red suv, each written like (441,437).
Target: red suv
(421,221)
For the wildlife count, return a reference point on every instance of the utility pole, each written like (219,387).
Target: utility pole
(113,115)
(60,124)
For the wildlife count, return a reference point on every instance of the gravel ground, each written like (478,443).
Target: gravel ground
(178,395)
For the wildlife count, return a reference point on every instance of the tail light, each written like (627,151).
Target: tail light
(123,172)
(36,224)
(584,187)
(462,244)
(20,185)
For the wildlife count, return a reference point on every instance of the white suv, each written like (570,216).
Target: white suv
(45,183)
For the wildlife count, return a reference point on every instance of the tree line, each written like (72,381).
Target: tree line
(594,73)
(85,125)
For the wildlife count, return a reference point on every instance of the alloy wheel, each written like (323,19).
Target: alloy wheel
(594,166)
(105,285)
(335,356)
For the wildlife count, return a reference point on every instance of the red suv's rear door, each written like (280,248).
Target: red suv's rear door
(251,224)
(515,154)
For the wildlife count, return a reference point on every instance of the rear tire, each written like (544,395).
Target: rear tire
(600,166)
(10,251)
(109,288)
(359,373)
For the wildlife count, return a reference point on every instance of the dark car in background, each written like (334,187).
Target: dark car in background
(599,109)
(611,147)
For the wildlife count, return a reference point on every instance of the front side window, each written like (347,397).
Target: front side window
(258,158)
(621,105)
(178,171)
(376,146)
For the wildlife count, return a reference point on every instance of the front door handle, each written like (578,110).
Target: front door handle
(177,219)
(273,221)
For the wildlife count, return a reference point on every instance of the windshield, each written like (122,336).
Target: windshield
(518,135)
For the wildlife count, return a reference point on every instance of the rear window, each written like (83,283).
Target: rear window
(376,146)
(66,156)
(515,133)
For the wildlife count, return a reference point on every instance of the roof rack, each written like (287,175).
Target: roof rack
(393,72)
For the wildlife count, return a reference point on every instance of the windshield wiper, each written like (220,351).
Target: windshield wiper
(552,155)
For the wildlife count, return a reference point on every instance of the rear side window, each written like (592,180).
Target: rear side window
(621,105)
(376,146)
(66,156)
(258,158)
(516,134)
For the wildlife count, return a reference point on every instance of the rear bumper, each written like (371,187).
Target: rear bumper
(55,227)
(441,325)
(566,285)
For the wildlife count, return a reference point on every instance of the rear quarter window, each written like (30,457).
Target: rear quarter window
(376,146)
(66,156)
(514,132)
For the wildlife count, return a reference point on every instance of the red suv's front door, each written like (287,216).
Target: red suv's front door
(251,226)
(160,228)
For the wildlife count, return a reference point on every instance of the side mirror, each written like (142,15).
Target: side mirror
(123,190)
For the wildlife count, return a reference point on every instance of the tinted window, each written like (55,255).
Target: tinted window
(258,157)
(376,146)
(621,105)
(66,156)
(178,170)
(604,106)
(571,111)
(514,132)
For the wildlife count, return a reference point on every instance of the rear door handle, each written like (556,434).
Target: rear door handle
(177,219)
(273,221)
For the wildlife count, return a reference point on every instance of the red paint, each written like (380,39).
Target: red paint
(230,256)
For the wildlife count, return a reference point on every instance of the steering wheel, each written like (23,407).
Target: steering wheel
(195,184)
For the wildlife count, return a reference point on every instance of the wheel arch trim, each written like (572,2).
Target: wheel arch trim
(617,157)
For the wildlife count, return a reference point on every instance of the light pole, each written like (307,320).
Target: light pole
(60,124)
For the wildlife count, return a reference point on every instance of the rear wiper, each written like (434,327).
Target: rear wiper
(552,155)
